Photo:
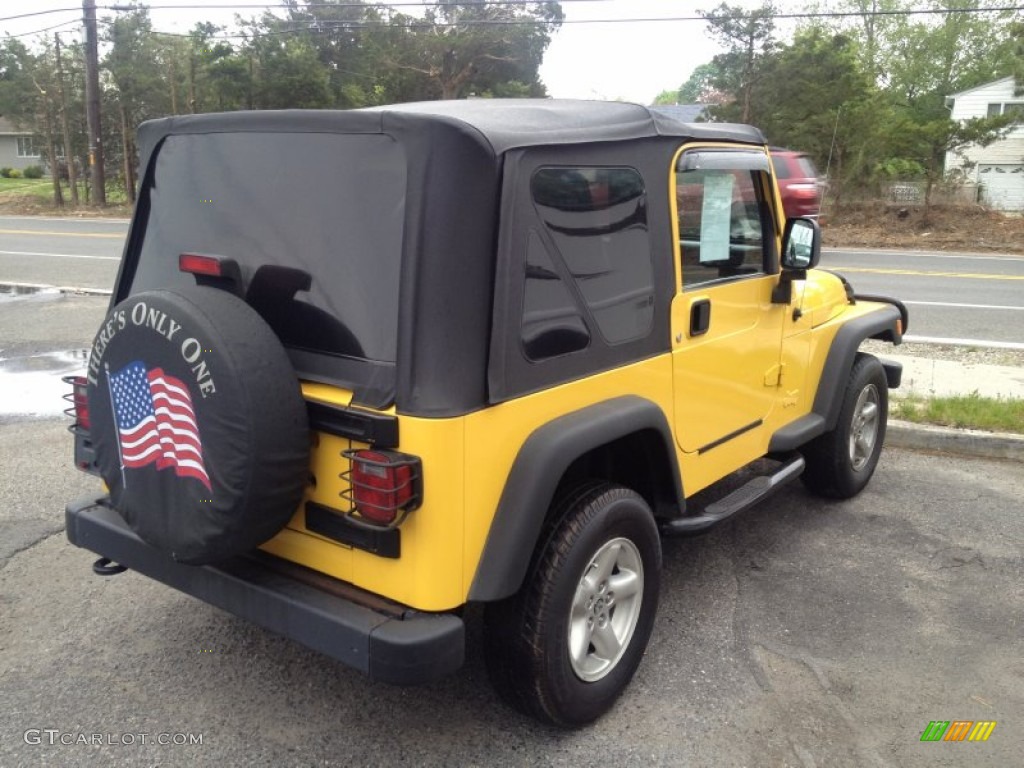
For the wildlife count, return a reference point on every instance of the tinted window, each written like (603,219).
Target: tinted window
(807,167)
(721,225)
(597,238)
(781,168)
(315,222)
(552,325)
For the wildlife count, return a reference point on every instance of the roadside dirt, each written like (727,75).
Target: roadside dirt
(862,225)
(33,205)
(942,228)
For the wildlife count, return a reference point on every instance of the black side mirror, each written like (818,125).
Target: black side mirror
(801,250)
(801,245)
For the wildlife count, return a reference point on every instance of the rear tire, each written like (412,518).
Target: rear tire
(841,462)
(564,648)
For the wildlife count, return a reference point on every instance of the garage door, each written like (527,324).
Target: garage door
(1003,186)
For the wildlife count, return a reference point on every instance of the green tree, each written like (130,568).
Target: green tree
(936,58)
(667,97)
(288,74)
(748,37)
(464,48)
(140,90)
(17,92)
(699,88)
(817,97)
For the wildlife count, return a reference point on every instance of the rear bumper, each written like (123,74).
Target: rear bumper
(414,648)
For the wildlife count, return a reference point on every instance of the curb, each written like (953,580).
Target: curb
(963,442)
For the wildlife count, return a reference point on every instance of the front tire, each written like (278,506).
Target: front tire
(841,462)
(564,648)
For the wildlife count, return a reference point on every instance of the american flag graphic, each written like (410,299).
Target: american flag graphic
(155,421)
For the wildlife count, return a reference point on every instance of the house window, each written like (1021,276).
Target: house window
(27,147)
(1013,108)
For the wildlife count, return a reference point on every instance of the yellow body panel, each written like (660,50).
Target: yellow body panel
(759,365)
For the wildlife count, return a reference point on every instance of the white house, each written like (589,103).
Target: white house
(998,168)
(18,149)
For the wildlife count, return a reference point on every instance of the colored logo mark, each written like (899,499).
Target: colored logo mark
(156,422)
(958,730)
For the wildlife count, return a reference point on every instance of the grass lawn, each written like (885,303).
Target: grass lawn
(40,191)
(41,187)
(996,414)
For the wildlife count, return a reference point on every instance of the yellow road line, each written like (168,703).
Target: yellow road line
(924,273)
(110,236)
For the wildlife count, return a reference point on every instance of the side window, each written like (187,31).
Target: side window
(590,269)
(724,230)
(552,325)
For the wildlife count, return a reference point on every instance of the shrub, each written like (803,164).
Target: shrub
(6,172)
(33,172)
(14,174)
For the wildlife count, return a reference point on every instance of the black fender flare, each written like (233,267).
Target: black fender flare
(887,322)
(536,472)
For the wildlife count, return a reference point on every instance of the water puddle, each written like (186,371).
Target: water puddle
(9,292)
(32,386)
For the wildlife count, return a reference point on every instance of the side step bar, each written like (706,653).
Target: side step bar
(742,498)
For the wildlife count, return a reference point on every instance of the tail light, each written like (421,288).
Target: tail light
(79,409)
(804,190)
(217,271)
(85,456)
(384,486)
(199,264)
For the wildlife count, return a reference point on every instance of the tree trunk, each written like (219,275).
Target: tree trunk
(174,86)
(69,154)
(126,152)
(51,148)
(192,82)
(837,198)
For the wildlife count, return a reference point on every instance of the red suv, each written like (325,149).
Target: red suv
(798,183)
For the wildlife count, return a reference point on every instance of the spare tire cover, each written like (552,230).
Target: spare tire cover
(198,422)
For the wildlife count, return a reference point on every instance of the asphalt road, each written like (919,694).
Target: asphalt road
(61,251)
(954,296)
(804,634)
(970,297)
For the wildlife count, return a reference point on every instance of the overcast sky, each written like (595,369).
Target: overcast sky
(613,59)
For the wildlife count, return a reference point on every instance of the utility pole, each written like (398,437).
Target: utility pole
(69,154)
(92,100)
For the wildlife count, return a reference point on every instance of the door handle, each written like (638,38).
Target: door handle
(700,317)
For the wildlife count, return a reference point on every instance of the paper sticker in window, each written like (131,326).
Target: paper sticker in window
(716,215)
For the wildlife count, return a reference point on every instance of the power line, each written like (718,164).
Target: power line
(40,13)
(47,29)
(324,26)
(262,6)
(493,3)
(267,6)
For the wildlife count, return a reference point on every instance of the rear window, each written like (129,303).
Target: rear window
(799,166)
(807,167)
(315,222)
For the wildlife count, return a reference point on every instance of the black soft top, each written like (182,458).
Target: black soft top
(434,175)
(499,124)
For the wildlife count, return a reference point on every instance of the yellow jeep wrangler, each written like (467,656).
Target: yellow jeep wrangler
(363,369)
